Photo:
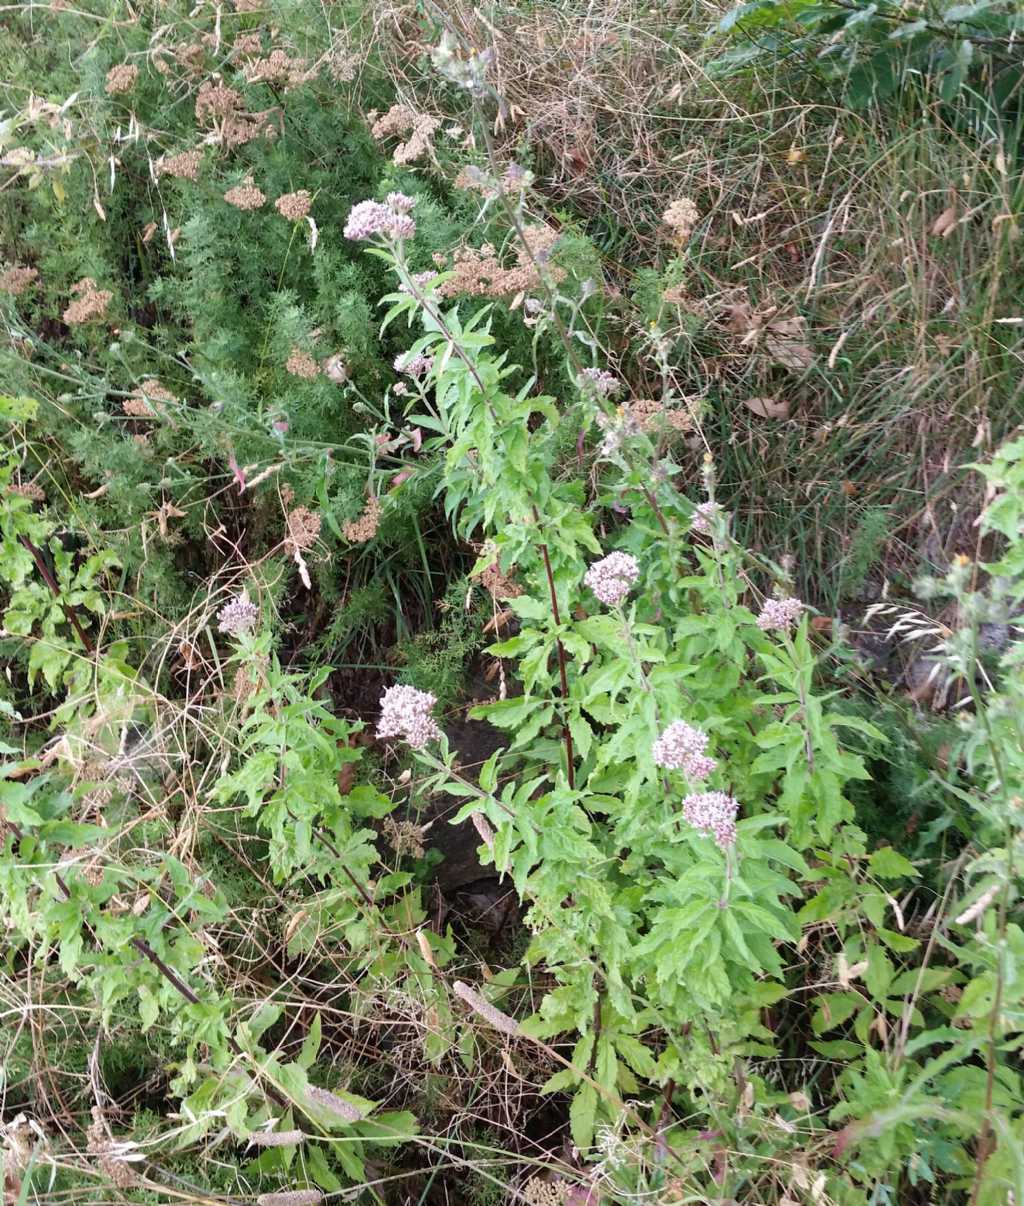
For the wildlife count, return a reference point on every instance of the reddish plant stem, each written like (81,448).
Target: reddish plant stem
(563,676)
(51,582)
(652,503)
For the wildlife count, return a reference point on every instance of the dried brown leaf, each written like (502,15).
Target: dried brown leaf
(786,341)
(768,408)
(944,223)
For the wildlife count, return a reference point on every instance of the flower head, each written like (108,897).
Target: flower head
(611,577)
(121,78)
(602,383)
(713,813)
(681,217)
(414,366)
(245,195)
(779,614)
(238,616)
(405,712)
(703,516)
(681,747)
(371,218)
(294,206)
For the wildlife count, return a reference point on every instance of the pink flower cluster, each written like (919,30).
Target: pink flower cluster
(703,514)
(713,813)
(602,383)
(612,576)
(421,282)
(238,616)
(370,218)
(779,614)
(681,747)
(405,712)
(414,366)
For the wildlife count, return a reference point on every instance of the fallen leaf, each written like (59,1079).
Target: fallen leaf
(786,341)
(768,408)
(498,621)
(945,222)
(821,624)
(293,924)
(794,155)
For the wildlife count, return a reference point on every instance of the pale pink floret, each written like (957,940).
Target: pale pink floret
(603,383)
(713,813)
(779,614)
(681,747)
(238,616)
(405,712)
(702,518)
(371,218)
(611,577)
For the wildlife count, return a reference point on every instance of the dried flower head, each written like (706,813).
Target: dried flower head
(28,490)
(414,366)
(279,68)
(245,195)
(600,382)
(779,614)
(238,616)
(247,43)
(110,1153)
(303,528)
(611,577)
(121,78)
(681,747)
(404,837)
(333,1104)
(652,415)
(390,220)
(16,279)
(276,1138)
(704,514)
(215,101)
(538,1192)
(291,1197)
(497,584)
(420,127)
(479,272)
(500,1021)
(301,364)
(342,63)
(183,166)
(360,530)
(294,206)
(406,712)
(90,302)
(681,217)
(140,404)
(713,813)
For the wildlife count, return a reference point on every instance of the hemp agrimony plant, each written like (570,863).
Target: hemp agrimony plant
(669,763)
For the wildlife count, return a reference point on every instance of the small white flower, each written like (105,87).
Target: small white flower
(611,577)
(602,383)
(681,747)
(405,712)
(703,515)
(779,614)
(238,616)
(713,813)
